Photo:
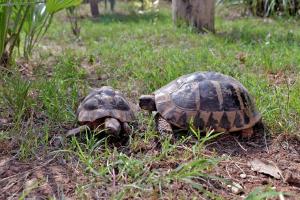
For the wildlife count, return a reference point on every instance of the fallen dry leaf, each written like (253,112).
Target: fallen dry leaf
(266,167)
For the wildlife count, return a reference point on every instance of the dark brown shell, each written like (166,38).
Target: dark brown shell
(104,102)
(207,100)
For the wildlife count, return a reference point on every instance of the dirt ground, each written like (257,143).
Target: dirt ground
(282,151)
(46,177)
(38,179)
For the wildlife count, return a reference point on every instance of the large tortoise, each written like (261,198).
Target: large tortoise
(104,108)
(204,100)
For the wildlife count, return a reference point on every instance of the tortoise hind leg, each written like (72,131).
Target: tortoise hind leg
(112,126)
(163,126)
(247,133)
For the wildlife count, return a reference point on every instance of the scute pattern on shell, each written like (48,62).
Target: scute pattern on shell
(207,100)
(104,102)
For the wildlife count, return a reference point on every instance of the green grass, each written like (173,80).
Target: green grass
(139,54)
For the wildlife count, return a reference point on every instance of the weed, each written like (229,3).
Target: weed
(263,193)
(15,95)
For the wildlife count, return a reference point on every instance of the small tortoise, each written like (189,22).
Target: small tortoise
(204,100)
(104,108)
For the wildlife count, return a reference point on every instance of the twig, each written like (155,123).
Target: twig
(239,168)
(265,140)
(228,172)
(239,144)
(114,177)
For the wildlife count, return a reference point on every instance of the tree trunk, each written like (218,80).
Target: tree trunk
(197,13)
(112,5)
(94,8)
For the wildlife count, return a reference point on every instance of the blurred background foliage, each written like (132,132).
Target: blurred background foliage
(30,18)
(265,8)
(24,22)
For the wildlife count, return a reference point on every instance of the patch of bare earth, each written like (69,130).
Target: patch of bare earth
(37,179)
(282,153)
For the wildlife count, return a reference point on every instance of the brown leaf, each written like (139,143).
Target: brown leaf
(266,167)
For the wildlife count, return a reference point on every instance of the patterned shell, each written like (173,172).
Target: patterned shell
(207,100)
(104,102)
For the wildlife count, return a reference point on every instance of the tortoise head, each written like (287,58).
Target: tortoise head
(147,102)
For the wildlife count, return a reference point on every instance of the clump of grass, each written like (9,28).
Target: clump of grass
(131,175)
(60,94)
(15,95)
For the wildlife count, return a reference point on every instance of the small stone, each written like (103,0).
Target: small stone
(243,175)
(3,121)
(235,188)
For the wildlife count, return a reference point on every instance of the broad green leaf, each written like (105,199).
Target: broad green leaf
(53,6)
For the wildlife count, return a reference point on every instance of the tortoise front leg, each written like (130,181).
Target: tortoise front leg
(112,126)
(77,130)
(163,126)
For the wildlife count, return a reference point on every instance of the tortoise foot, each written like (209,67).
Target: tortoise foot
(247,133)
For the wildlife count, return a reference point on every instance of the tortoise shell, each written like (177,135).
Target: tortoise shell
(207,100)
(104,102)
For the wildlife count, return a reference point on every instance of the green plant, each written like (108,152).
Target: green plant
(12,15)
(39,20)
(72,13)
(192,173)
(262,193)
(85,152)
(15,95)
(59,94)
(32,18)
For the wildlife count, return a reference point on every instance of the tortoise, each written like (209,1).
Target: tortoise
(104,108)
(204,100)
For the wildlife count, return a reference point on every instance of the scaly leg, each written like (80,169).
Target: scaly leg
(163,126)
(77,130)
